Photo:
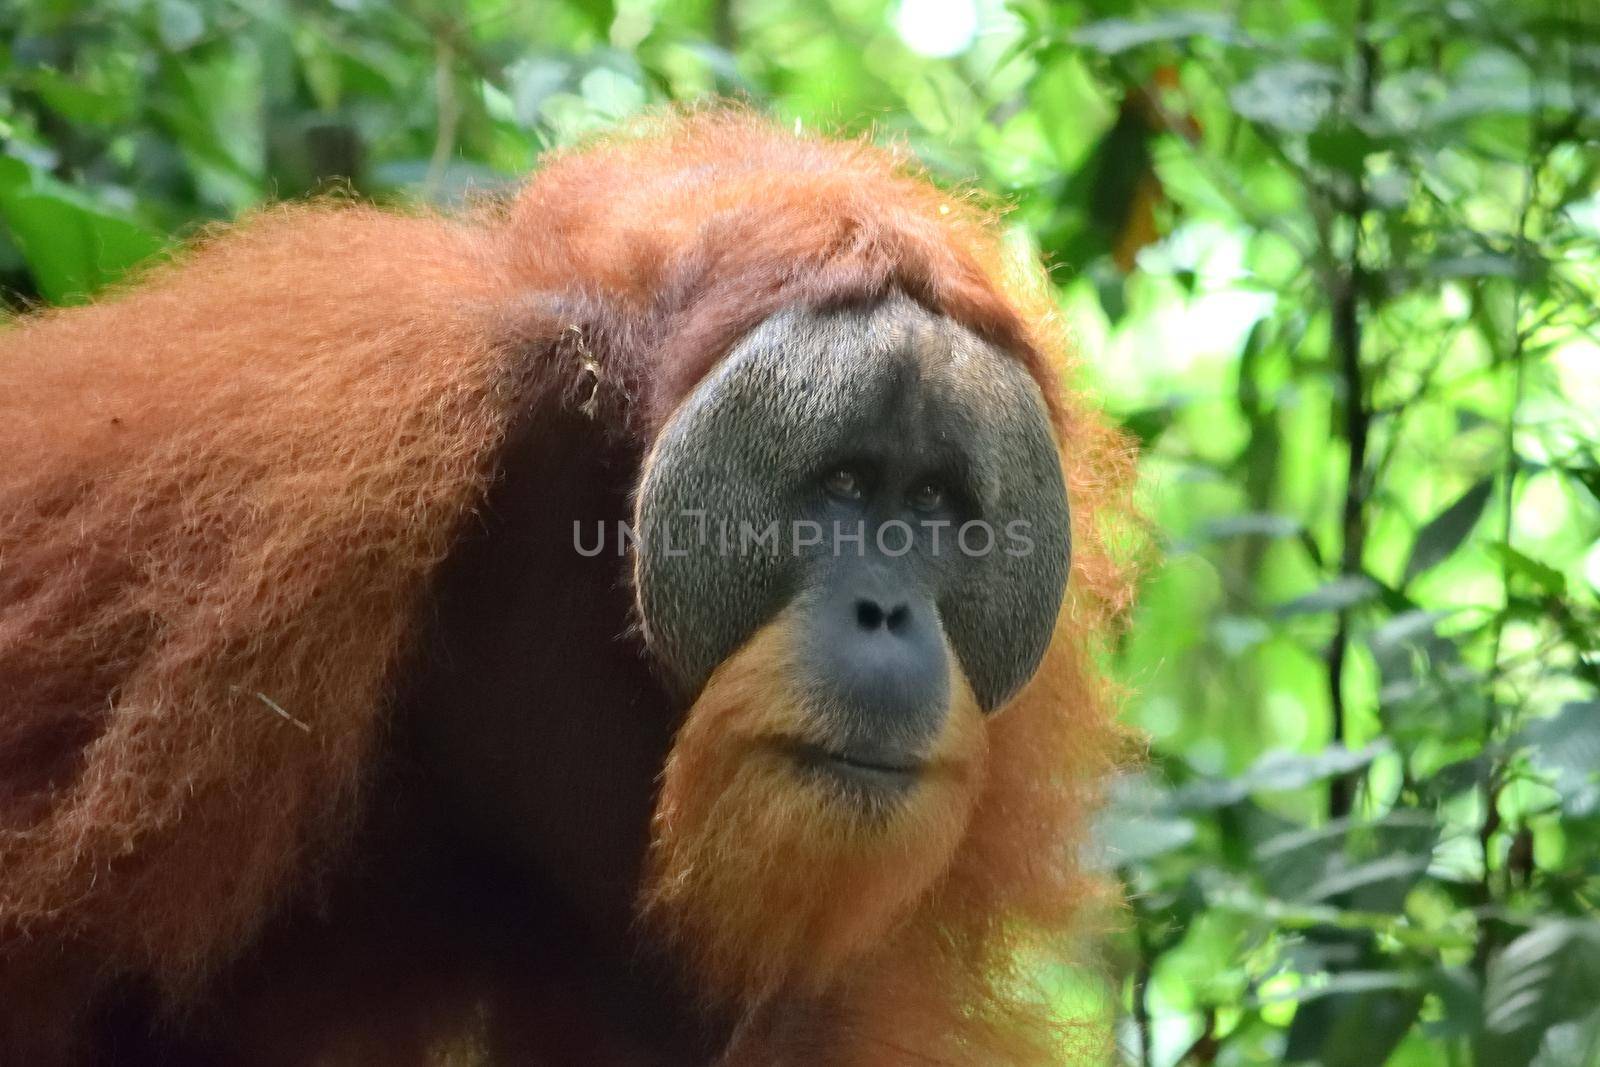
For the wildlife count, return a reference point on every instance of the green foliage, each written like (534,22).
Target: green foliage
(1337,266)
(1382,529)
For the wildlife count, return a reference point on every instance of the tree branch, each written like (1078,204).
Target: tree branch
(1346,313)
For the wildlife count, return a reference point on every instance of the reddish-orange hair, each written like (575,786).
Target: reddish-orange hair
(226,488)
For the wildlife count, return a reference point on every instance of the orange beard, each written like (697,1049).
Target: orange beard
(766,877)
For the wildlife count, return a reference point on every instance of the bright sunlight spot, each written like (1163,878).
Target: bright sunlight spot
(937,27)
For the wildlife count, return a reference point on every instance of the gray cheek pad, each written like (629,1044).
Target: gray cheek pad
(1001,611)
(741,454)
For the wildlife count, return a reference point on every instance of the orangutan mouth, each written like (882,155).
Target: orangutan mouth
(875,768)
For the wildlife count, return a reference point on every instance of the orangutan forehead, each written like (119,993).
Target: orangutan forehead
(864,363)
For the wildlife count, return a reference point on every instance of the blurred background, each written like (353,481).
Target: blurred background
(1335,264)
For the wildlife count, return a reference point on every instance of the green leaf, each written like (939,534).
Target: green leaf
(1546,977)
(1459,776)
(1460,1001)
(1276,771)
(72,99)
(1148,424)
(600,13)
(1353,982)
(1379,873)
(179,24)
(1279,770)
(1475,265)
(1342,147)
(1445,532)
(71,249)
(1572,1044)
(1257,524)
(14,174)
(1132,837)
(533,80)
(1546,578)
(321,66)
(1138,824)
(1566,746)
(1588,477)
(1407,628)
(1400,638)
(1357,1028)
(1293,96)
(1113,36)
(1337,595)
(1370,866)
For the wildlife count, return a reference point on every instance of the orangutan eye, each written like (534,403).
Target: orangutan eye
(844,483)
(928,496)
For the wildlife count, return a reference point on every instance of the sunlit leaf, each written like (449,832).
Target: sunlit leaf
(600,13)
(14,174)
(1544,577)
(1356,982)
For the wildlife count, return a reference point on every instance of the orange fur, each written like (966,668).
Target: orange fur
(767,882)
(225,491)
(222,496)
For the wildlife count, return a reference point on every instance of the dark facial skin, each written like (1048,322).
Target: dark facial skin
(873,652)
(911,479)
(873,649)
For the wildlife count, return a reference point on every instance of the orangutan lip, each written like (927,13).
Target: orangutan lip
(876,768)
